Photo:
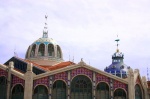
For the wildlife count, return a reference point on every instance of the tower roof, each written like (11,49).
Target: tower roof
(117,67)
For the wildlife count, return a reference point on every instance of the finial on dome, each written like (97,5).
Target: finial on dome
(45,31)
(117,40)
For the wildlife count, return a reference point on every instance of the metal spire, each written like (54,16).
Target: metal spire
(117,40)
(45,31)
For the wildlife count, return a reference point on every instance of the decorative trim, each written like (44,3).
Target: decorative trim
(61,76)
(17,80)
(138,81)
(101,78)
(43,81)
(82,71)
(117,84)
(3,73)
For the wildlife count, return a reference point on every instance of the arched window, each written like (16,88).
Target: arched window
(32,54)
(138,92)
(18,92)
(41,50)
(27,52)
(119,94)
(40,92)
(50,50)
(81,88)
(58,52)
(59,90)
(3,87)
(102,91)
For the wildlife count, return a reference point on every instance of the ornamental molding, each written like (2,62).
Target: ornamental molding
(71,67)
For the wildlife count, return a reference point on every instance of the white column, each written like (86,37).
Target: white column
(28,82)
(131,89)
(10,67)
(145,87)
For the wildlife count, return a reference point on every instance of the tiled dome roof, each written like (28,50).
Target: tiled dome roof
(118,67)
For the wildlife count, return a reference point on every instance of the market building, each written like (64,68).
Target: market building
(43,74)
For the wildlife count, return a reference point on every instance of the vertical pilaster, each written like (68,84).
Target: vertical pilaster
(111,89)
(55,50)
(46,50)
(10,67)
(50,86)
(28,82)
(131,90)
(68,87)
(94,85)
(145,87)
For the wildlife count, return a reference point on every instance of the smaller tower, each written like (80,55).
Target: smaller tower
(117,66)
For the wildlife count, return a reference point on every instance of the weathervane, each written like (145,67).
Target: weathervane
(45,31)
(117,40)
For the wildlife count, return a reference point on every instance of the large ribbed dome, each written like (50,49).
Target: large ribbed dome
(44,51)
(44,48)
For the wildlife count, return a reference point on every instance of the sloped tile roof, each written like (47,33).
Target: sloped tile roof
(49,68)
(60,65)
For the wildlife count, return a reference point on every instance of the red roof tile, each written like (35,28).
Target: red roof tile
(49,68)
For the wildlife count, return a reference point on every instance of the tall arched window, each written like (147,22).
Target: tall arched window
(3,87)
(32,54)
(18,92)
(81,88)
(50,50)
(40,92)
(138,92)
(41,50)
(102,91)
(59,90)
(119,94)
(27,54)
(58,52)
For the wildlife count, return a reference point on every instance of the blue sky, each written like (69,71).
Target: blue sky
(83,28)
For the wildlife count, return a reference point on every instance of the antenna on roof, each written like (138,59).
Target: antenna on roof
(89,62)
(73,59)
(117,40)
(69,57)
(15,53)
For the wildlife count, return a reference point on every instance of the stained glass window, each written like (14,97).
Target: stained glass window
(81,88)
(3,87)
(18,92)
(58,52)
(32,54)
(138,92)
(119,94)
(50,50)
(40,92)
(27,52)
(41,50)
(102,91)
(59,90)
